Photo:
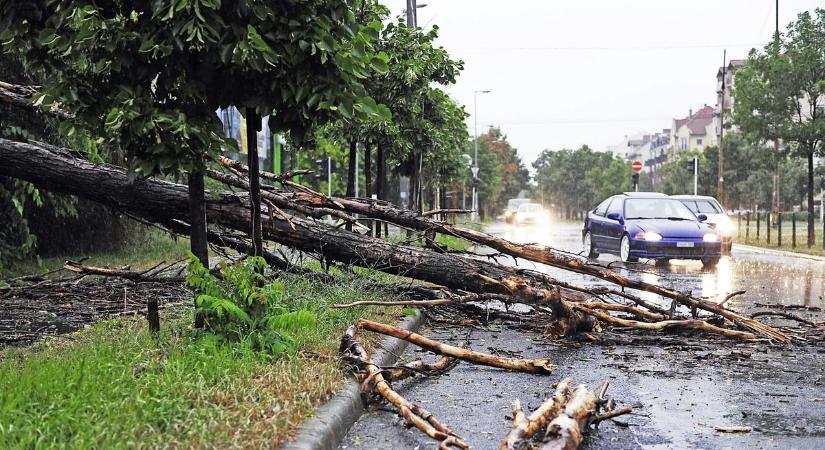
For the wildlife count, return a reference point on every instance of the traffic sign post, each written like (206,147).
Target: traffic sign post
(636,166)
(693,166)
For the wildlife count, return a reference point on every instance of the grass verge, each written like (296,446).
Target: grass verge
(149,247)
(747,235)
(113,386)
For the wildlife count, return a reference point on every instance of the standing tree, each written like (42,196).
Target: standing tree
(780,94)
(148,76)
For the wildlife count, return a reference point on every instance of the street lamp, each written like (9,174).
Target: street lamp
(475,152)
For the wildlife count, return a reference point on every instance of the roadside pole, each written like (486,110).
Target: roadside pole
(329,176)
(695,175)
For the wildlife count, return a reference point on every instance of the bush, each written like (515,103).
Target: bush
(245,308)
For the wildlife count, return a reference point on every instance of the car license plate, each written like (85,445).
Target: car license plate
(684,244)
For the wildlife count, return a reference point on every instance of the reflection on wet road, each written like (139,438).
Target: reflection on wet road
(767,278)
(684,387)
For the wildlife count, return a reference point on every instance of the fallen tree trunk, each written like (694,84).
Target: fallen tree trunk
(531,252)
(166,203)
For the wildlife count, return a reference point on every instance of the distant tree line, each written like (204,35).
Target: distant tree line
(573,181)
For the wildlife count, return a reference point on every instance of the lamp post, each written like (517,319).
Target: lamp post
(475,151)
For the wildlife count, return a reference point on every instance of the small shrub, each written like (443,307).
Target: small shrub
(245,307)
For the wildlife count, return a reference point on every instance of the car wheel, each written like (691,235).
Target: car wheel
(587,244)
(710,263)
(624,250)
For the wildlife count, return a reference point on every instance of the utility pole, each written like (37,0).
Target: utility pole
(720,188)
(475,152)
(776,202)
(411,14)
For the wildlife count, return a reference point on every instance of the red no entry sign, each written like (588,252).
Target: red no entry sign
(636,166)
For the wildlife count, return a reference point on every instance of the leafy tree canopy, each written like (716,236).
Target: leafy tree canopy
(148,75)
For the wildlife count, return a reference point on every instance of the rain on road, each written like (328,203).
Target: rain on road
(683,387)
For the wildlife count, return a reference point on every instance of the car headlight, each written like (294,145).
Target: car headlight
(711,237)
(648,236)
(726,227)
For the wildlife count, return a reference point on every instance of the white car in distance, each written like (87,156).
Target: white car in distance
(716,214)
(531,214)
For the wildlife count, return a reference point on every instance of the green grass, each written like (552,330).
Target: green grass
(453,243)
(113,386)
(748,236)
(142,250)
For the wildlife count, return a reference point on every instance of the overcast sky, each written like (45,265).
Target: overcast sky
(567,73)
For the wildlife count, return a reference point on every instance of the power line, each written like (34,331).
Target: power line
(601,48)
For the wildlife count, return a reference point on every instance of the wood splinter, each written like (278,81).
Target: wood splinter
(524,427)
(564,418)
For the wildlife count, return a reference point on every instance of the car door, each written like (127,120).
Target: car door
(613,229)
(597,222)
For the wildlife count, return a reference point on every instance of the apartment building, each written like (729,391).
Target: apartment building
(698,130)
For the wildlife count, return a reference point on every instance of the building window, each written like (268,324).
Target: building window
(698,142)
(683,145)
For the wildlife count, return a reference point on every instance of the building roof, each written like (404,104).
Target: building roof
(732,65)
(697,122)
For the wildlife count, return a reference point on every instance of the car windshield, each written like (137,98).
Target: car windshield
(657,208)
(529,208)
(514,203)
(703,207)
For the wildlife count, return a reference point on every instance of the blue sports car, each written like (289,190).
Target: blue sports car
(637,225)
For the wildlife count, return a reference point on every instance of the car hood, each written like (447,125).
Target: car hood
(716,218)
(671,228)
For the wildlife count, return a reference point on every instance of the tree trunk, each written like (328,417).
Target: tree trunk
(415,184)
(368,175)
(198,242)
(811,229)
(352,175)
(166,203)
(253,123)
(381,188)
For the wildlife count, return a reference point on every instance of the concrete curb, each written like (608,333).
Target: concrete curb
(333,419)
(770,251)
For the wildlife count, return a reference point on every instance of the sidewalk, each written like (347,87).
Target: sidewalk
(777,252)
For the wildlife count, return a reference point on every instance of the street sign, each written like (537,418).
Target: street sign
(636,166)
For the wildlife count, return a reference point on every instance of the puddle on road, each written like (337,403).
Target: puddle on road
(766,278)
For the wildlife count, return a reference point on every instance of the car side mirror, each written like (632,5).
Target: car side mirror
(702,217)
(616,216)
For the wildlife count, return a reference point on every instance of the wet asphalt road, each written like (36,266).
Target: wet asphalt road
(684,387)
